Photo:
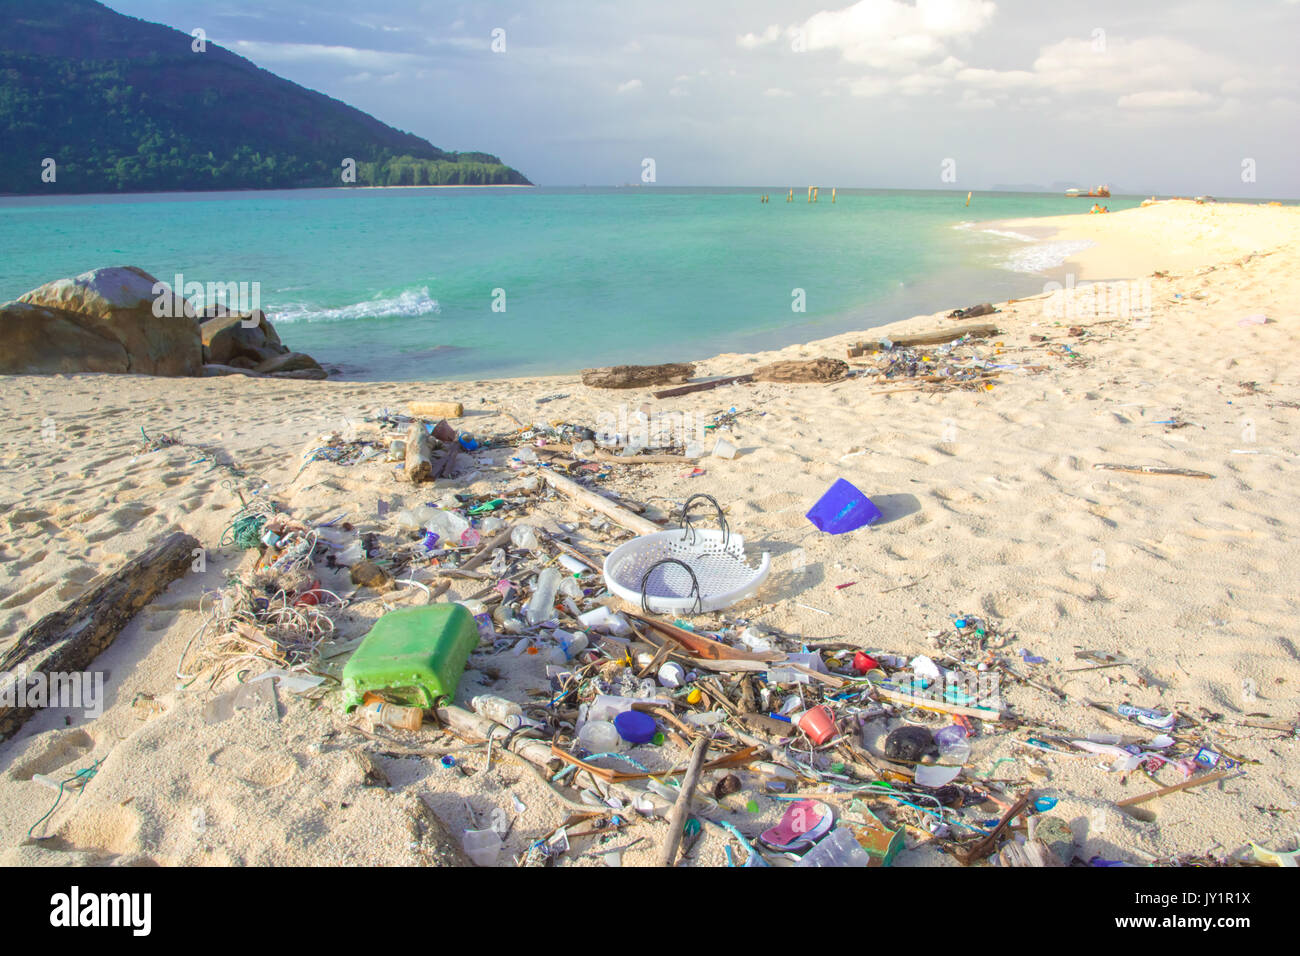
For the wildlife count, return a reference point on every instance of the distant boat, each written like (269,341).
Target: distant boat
(1072,193)
(1101,192)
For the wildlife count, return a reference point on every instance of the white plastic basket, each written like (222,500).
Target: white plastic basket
(685,570)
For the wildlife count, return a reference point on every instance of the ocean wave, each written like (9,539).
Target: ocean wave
(1008,234)
(1045,255)
(411,303)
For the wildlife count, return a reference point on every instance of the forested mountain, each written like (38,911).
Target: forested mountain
(124,105)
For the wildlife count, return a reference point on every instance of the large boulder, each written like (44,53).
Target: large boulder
(247,335)
(38,341)
(288,362)
(156,330)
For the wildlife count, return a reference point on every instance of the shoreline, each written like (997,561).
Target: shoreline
(1124,247)
(994,508)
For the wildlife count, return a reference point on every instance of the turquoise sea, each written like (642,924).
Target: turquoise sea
(402,283)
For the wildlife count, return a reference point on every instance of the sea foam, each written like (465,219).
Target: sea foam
(411,303)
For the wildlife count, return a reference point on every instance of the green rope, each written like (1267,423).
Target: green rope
(244,532)
(82,775)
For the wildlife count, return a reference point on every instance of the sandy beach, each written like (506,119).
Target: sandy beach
(993,507)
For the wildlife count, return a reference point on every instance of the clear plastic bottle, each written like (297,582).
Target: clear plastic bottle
(498,565)
(524,536)
(504,712)
(838,848)
(954,748)
(449,525)
(541,607)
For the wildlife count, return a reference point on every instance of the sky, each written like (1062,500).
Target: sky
(1187,98)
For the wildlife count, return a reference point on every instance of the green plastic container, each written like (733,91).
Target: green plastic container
(415,656)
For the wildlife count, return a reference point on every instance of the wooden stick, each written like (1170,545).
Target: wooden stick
(925,703)
(419,454)
(435,410)
(982,847)
(703,386)
(68,640)
(501,539)
(616,513)
(677,816)
(1153,470)
(1165,791)
(979,331)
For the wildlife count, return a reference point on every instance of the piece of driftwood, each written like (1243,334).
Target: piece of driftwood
(1174,788)
(68,640)
(677,816)
(978,331)
(636,376)
(973,312)
(704,386)
(703,647)
(584,496)
(1152,470)
(436,409)
(419,454)
(818,370)
(986,844)
(484,553)
(942,706)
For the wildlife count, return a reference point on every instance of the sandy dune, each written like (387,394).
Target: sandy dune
(992,505)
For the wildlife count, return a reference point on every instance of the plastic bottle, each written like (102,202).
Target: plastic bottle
(448,525)
(523,536)
(838,848)
(504,712)
(584,449)
(392,715)
(954,748)
(498,565)
(541,607)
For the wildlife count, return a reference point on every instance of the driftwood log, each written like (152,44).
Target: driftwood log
(979,331)
(973,312)
(433,410)
(636,376)
(704,386)
(583,496)
(818,370)
(677,816)
(68,640)
(419,454)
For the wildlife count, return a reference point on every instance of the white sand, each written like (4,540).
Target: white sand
(994,507)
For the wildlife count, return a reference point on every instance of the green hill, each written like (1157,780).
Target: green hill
(124,105)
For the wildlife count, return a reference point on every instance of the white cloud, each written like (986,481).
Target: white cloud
(361,58)
(629,86)
(889,34)
(1164,99)
(752,41)
(776,92)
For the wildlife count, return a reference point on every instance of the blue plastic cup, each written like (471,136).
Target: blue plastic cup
(843,508)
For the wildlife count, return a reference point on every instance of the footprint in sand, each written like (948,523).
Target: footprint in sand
(58,750)
(74,582)
(27,594)
(262,771)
